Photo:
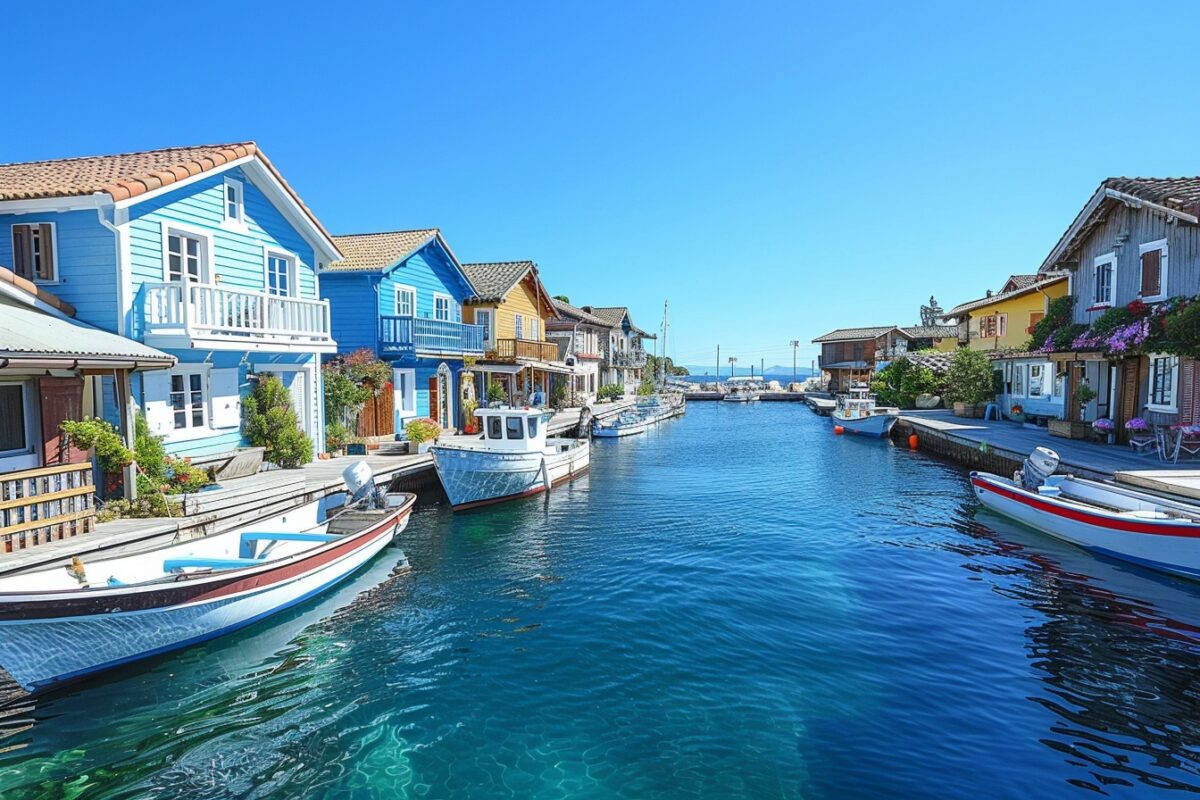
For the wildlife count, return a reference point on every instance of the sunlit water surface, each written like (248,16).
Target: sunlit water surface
(737,604)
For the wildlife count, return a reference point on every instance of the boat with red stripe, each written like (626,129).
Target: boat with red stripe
(62,623)
(1107,518)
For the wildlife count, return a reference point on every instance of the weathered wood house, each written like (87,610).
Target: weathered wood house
(1135,239)
(851,354)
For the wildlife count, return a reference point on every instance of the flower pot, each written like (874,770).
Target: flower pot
(1069,430)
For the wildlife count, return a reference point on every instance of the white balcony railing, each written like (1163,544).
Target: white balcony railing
(215,315)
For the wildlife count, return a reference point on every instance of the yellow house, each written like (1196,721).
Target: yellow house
(1003,320)
(513,307)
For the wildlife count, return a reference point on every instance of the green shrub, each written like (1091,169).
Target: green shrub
(1064,336)
(1183,330)
(558,393)
(159,472)
(970,378)
(101,436)
(899,383)
(271,423)
(1058,314)
(149,505)
(337,436)
(610,391)
(496,393)
(421,430)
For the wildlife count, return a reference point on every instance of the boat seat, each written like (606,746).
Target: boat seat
(288,537)
(193,562)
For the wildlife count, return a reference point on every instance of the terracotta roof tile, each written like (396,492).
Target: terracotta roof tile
(1045,279)
(29,287)
(367,252)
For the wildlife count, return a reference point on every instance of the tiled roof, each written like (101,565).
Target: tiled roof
(493,279)
(575,313)
(126,175)
(938,362)
(374,251)
(1021,281)
(29,287)
(932,331)
(854,334)
(613,315)
(1046,280)
(1171,192)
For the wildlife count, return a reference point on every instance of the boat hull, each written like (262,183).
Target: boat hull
(1169,545)
(473,478)
(45,642)
(873,425)
(618,430)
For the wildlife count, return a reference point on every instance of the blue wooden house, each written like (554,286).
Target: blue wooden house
(204,253)
(400,294)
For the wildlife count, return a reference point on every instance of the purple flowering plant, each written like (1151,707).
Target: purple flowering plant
(1137,424)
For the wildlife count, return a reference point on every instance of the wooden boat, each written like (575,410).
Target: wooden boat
(58,624)
(627,423)
(1105,518)
(511,458)
(856,412)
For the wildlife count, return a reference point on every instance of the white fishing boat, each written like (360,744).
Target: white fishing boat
(740,393)
(62,623)
(626,423)
(856,412)
(511,458)
(1105,518)
(661,407)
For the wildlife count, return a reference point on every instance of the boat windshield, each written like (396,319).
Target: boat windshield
(533,427)
(495,428)
(514,427)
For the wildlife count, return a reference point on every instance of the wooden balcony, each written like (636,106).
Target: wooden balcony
(43,505)
(526,349)
(400,336)
(220,318)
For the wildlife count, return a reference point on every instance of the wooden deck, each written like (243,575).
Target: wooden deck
(1102,460)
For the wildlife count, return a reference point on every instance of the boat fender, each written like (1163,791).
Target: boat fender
(913,441)
(838,430)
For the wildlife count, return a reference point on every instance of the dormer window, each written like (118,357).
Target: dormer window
(235,207)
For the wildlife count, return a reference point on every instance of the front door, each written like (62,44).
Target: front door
(62,400)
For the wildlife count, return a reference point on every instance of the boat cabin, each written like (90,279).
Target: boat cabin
(513,429)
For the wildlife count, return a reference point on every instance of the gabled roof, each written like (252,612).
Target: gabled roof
(857,334)
(1019,282)
(1176,197)
(1047,279)
(615,317)
(369,252)
(495,279)
(124,176)
(931,331)
(576,314)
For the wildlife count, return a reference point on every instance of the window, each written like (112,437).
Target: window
(13,434)
(185,257)
(1104,270)
(1153,258)
(1037,379)
(1034,318)
(1018,380)
(406,301)
(441,307)
(1002,324)
(533,427)
(235,209)
(519,326)
(513,426)
(187,400)
(1163,373)
(280,274)
(494,429)
(33,251)
(533,329)
(483,317)
(404,391)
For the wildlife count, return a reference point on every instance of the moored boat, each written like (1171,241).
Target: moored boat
(1105,518)
(510,459)
(627,423)
(58,624)
(856,412)
(740,394)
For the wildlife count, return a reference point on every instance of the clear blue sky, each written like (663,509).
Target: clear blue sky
(775,171)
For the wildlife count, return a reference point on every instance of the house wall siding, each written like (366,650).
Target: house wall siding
(427,272)
(352,296)
(522,299)
(1019,310)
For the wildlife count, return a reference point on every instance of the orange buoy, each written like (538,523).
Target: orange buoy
(912,441)
(838,430)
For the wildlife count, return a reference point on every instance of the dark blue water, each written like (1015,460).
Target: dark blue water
(735,605)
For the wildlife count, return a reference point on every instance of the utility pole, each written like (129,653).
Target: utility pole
(795,343)
(718,365)
(762,368)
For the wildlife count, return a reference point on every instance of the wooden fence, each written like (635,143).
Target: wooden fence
(377,415)
(42,505)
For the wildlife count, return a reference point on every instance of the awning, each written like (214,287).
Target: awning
(30,338)
(504,369)
(546,366)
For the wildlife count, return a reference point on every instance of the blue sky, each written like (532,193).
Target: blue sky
(774,170)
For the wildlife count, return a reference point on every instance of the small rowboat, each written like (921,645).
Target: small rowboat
(58,624)
(1104,518)
(857,413)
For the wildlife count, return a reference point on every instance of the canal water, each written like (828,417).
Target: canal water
(737,604)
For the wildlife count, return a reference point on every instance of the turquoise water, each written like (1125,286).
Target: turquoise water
(735,605)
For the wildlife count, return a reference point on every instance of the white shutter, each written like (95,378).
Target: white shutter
(225,403)
(156,397)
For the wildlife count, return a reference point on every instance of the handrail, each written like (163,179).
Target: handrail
(44,504)
(407,333)
(208,309)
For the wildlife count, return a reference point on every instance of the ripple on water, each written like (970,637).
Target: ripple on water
(736,604)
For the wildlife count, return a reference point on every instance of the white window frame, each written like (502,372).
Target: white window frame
(1001,325)
(1161,245)
(1097,262)
(189,430)
(1042,393)
(237,223)
(518,326)
(29,418)
(533,329)
(411,291)
(293,276)
(407,405)
(55,276)
(449,307)
(1019,384)
(1174,404)
(489,326)
(192,231)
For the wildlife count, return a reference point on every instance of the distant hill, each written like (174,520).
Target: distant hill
(777,372)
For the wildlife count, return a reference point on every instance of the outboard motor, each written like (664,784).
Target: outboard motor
(1040,464)
(360,481)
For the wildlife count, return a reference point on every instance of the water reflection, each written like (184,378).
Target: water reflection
(1117,649)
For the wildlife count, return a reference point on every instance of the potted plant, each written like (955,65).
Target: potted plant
(1016,413)
(337,436)
(112,456)
(422,432)
(470,421)
(496,394)
(970,383)
(1102,429)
